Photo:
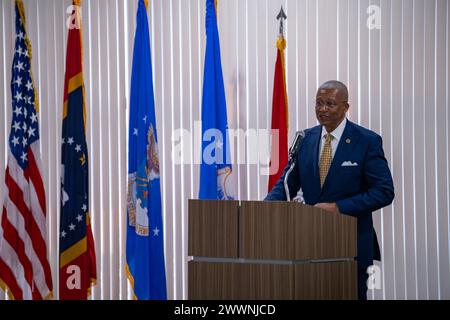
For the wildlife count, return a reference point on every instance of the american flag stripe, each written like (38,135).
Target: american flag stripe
(38,214)
(12,237)
(32,174)
(16,271)
(8,277)
(30,227)
(31,202)
(38,273)
(13,271)
(36,252)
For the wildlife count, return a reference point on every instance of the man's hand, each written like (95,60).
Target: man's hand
(328,206)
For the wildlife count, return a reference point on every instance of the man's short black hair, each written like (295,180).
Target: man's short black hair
(335,84)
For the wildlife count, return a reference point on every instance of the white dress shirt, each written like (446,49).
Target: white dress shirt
(336,133)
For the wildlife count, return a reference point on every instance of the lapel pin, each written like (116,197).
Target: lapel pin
(348,140)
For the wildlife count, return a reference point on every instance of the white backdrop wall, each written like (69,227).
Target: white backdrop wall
(398,77)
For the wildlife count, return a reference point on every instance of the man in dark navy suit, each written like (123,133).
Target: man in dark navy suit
(341,168)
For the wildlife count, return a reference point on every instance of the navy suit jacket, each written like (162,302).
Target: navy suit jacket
(358,190)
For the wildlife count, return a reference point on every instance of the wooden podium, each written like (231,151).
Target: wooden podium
(270,250)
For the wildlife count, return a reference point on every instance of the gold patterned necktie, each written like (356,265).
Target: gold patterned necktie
(325,159)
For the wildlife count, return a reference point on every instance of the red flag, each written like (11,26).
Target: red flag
(279,154)
(24,269)
(77,265)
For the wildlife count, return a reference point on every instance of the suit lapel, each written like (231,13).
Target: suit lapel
(314,144)
(315,141)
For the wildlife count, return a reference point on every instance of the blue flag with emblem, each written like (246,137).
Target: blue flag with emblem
(215,169)
(145,245)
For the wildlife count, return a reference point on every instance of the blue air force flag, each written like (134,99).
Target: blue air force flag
(215,168)
(145,246)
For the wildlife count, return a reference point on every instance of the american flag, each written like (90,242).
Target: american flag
(24,269)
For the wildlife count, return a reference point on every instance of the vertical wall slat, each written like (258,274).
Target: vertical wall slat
(114,135)
(420,139)
(385,231)
(442,209)
(446,292)
(430,148)
(375,96)
(184,121)
(407,150)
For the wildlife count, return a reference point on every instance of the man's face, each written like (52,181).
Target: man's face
(330,108)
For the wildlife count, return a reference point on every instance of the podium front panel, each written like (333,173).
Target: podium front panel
(327,280)
(240,281)
(322,234)
(213,228)
(266,231)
